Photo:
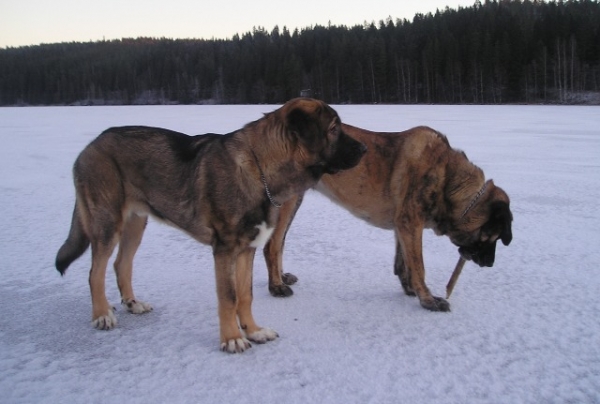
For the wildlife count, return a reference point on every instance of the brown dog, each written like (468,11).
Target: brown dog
(406,182)
(223,190)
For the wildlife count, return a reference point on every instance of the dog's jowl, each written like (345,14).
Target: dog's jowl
(222,190)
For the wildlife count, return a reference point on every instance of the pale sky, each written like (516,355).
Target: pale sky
(31,22)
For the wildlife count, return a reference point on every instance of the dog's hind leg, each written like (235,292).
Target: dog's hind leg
(244,305)
(131,237)
(103,317)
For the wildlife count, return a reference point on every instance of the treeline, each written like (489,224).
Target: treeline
(493,52)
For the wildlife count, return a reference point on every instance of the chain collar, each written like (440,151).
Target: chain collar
(475,199)
(264,181)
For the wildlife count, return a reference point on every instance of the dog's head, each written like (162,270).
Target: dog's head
(488,220)
(317,129)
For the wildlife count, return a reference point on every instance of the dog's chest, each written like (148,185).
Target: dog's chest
(263,236)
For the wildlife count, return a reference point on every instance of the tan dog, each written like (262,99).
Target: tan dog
(406,182)
(223,190)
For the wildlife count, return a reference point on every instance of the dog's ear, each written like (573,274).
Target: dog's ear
(300,123)
(500,221)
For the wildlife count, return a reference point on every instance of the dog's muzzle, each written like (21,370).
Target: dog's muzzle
(348,154)
(483,254)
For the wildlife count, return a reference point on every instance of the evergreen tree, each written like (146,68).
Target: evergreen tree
(496,52)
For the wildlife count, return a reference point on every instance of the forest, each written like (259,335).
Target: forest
(494,52)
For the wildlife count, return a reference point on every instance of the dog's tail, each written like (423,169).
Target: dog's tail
(76,244)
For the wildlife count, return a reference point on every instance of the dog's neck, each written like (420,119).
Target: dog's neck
(264,181)
(465,186)
(277,167)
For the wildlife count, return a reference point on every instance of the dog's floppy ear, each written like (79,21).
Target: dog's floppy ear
(500,221)
(299,122)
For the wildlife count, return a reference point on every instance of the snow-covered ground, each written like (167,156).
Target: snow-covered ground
(525,331)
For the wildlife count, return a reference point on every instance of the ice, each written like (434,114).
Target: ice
(525,331)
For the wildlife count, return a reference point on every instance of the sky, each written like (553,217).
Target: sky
(525,331)
(31,22)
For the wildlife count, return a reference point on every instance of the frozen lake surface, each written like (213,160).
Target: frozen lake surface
(525,331)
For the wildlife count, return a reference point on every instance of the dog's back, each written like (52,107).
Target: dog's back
(128,169)
(371,190)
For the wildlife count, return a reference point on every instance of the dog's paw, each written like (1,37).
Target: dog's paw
(281,290)
(289,279)
(262,335)
(136,306)
(237,345)
(435,303)
(105,322)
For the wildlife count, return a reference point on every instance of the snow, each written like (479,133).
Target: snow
(525,331)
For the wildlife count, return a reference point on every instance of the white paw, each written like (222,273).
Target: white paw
(238,345)
(263,335)
(136,306)
(105,322)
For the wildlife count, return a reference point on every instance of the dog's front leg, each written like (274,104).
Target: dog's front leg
(278,281)
(410,235)
(400,270)
(232,339)
(244,308)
